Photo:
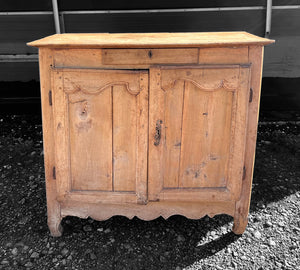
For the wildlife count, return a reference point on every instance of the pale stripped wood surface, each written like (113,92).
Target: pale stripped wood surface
(152,210)
(234,55)
(144,58)
(172,132)
(150,40)
(124,139)
(91,140)
(142,139)
(149,56)
(195,87)
(205,137)
(243,203)
(155,153)
(77,58)
(61,132)
(53,207)
(203,114)
(104,114)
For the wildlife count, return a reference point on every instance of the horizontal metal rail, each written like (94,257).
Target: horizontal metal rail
(19,58)
(24,13)
(169,10)
(172,10)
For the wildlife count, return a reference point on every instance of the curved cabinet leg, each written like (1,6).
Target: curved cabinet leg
(54,224)
(240,223)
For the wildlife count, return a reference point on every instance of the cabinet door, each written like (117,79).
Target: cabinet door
(101,126)
(197,123)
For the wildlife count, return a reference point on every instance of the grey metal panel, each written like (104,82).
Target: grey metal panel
(282,59)
(15,31)
(168,22)
(24,72)
(28,5)
(286,22)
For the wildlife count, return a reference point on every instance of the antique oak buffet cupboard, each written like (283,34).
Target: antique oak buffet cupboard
(149,125)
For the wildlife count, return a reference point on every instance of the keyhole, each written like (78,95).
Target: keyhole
(150,54)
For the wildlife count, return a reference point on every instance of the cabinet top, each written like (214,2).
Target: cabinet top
(150,40)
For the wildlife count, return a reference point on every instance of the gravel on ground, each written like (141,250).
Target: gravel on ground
(271,240)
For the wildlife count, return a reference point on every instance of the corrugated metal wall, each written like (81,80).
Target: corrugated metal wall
(282,59)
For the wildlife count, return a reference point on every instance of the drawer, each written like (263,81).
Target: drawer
(149,56)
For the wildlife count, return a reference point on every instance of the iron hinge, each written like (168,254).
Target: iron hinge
(54,173)
(50,97)
(251,95)
(244,173)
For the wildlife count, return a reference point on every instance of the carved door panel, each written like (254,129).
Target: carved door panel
(101,125)
(197,128)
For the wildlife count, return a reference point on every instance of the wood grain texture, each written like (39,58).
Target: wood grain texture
(77,57)
(149,56)
(150,211)
(173,109)
(234,55)
(205,137)
(88,81)
(142,139)
(124,139)
(53,206)
(61,133)
(156,124)
(101,118)
(150,40)
(169,139)
(91,139)
(202,112)
(243,203)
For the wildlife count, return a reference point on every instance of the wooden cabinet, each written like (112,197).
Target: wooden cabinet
(149,125)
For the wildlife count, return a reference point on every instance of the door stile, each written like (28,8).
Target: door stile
(61,133)
(240,121)
(142,139)
(156,128)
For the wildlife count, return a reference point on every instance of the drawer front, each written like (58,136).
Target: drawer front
(149,56)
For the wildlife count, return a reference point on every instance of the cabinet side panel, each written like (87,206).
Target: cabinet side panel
(53,207)
(124,139)
(91,140)
(242,205)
